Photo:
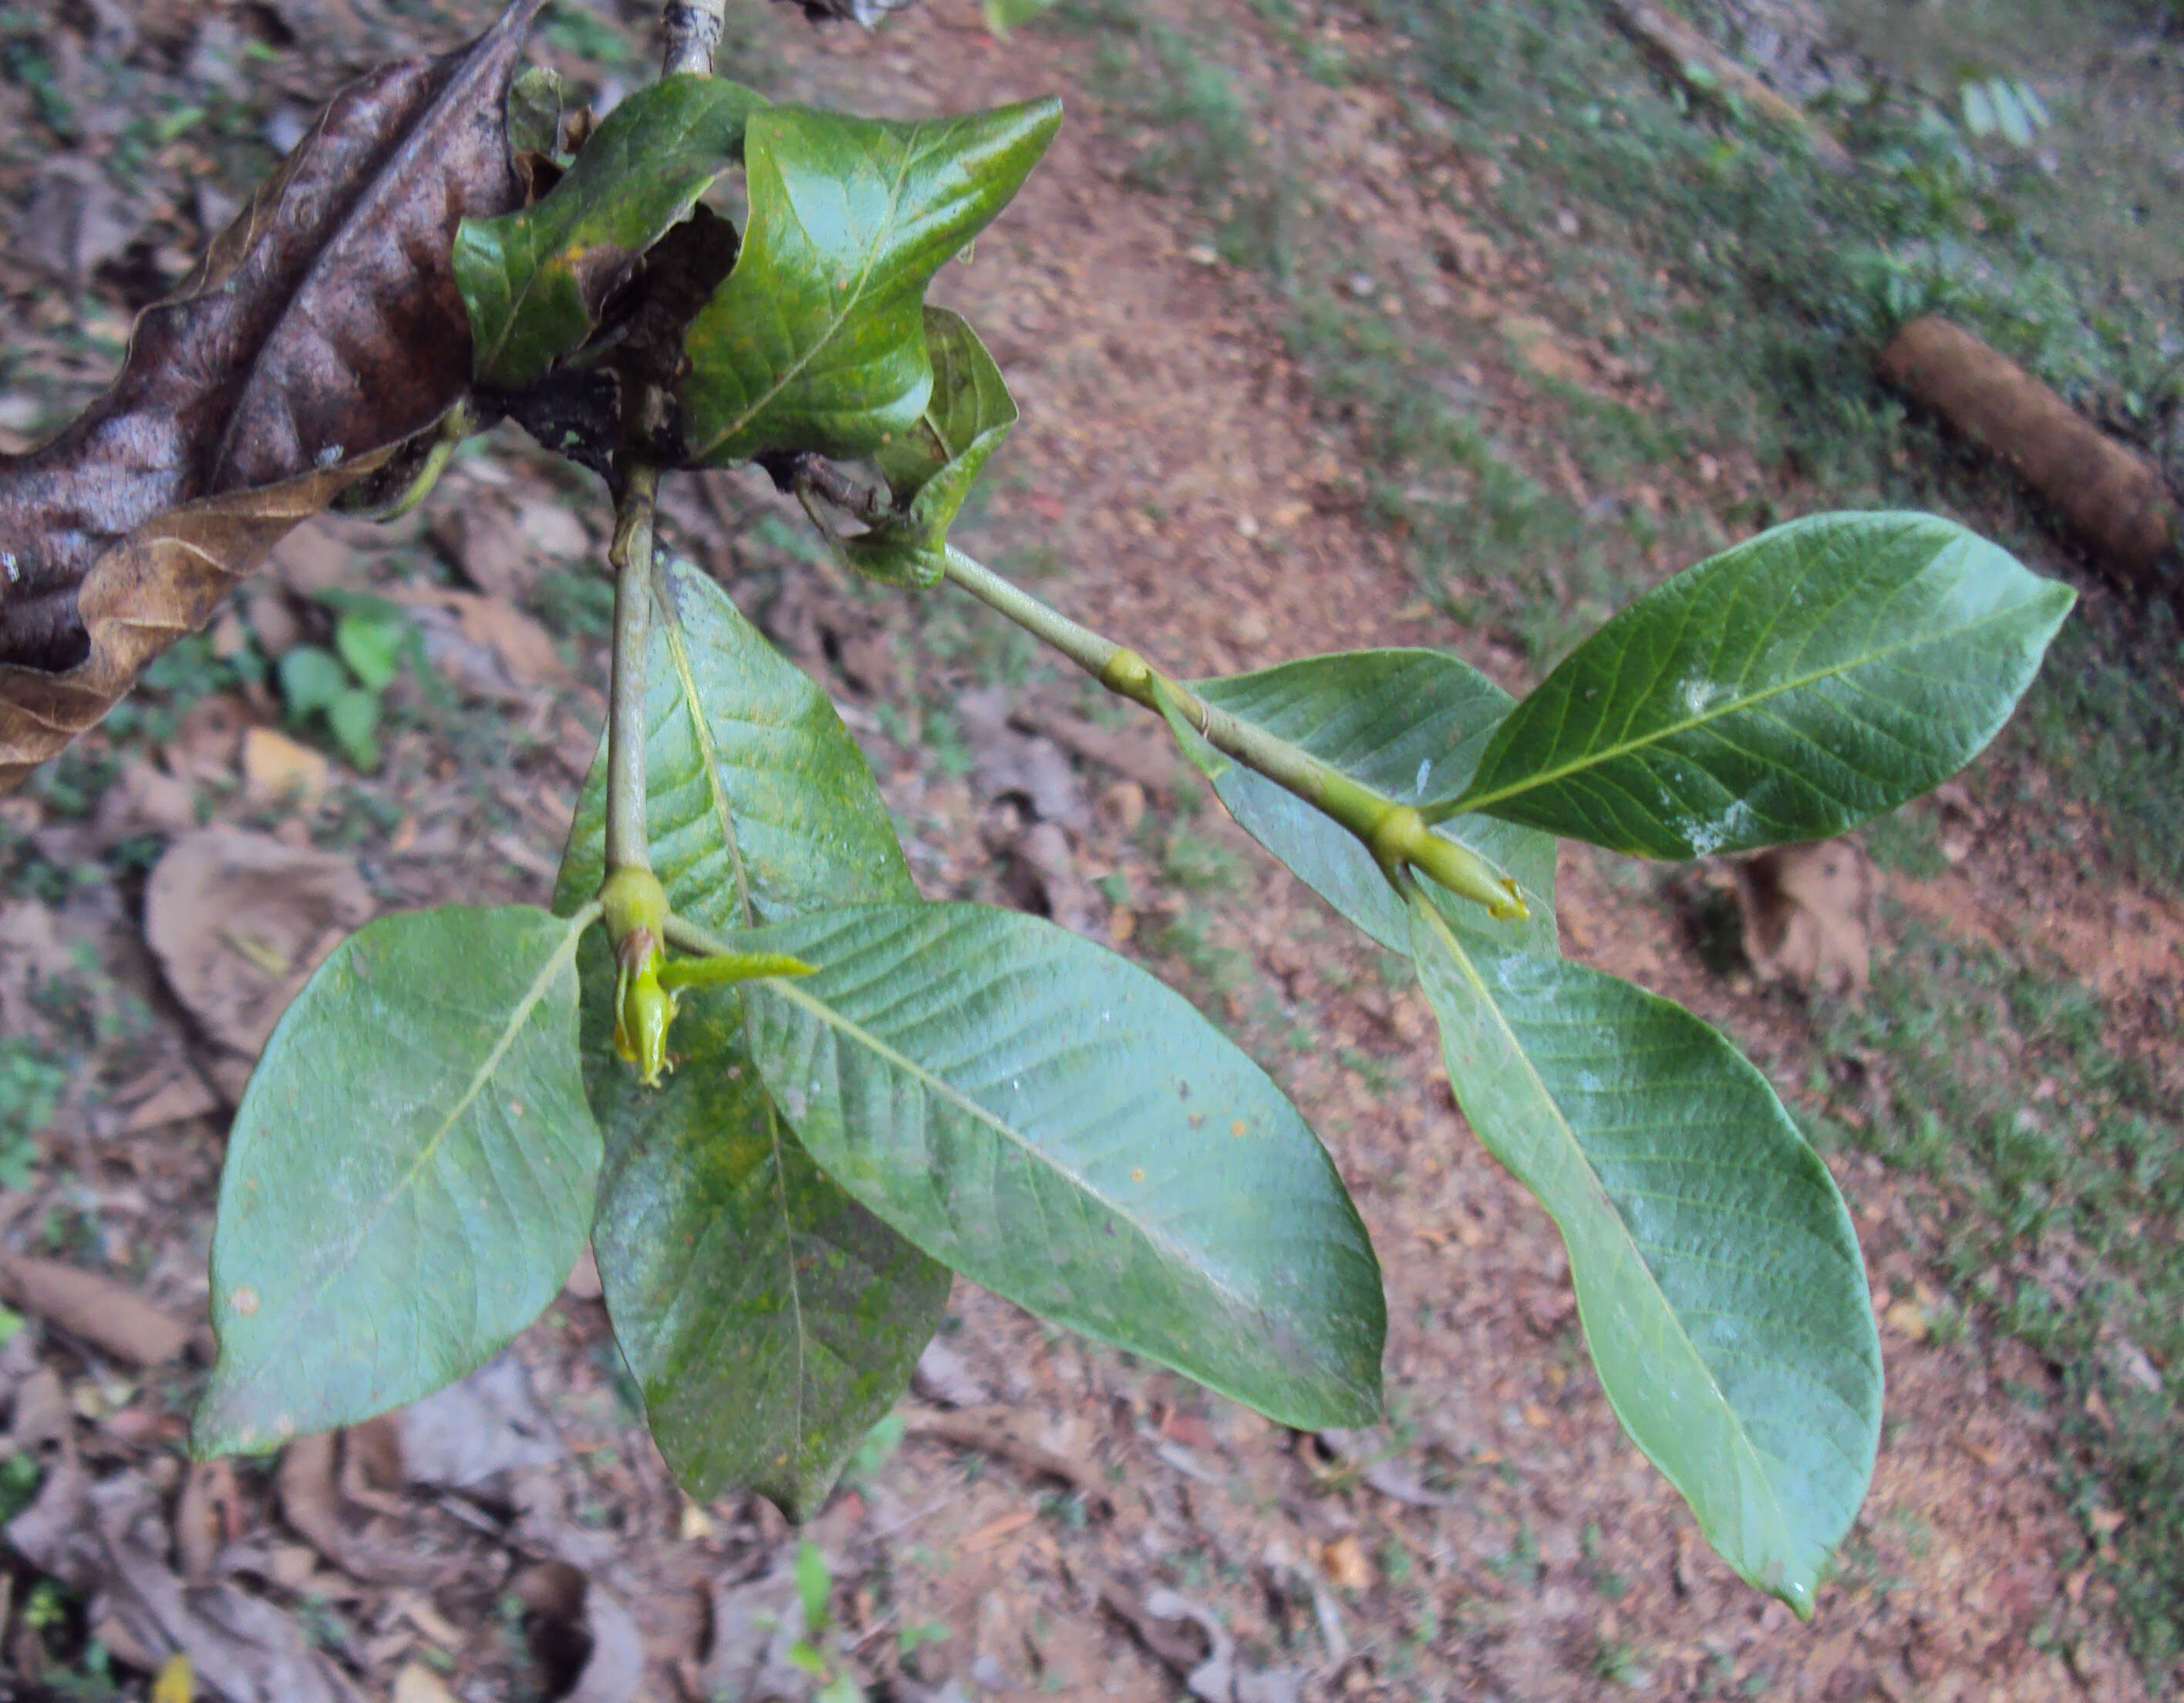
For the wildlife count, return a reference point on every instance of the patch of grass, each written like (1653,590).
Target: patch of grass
(1751,284)
(2104,721)
(1191,129)
(1196,863)
(2049,1170)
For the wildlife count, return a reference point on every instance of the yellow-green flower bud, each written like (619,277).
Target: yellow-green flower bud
(644,1011)
(1405,838)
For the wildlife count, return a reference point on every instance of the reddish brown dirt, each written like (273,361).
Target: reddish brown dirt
(1173,463)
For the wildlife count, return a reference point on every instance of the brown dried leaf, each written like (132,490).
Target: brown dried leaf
(311,1501)
(239,921)
(486,645)
(993,1431)
(241,1648)
(322,330)
(574,1622)
(207,1516)
(478,1432)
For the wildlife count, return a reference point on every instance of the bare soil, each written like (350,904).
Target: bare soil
(1179,483)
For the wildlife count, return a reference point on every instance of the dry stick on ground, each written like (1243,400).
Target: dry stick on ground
(989,1431)
(2112,497)
(1702,67)
(110,1316)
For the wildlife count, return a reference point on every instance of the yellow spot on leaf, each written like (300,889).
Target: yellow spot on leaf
(244,1300)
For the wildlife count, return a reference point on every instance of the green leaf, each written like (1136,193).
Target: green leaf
(1979,110)
(815,1587)
(1047,1119)
(759,805)
(2009,114)
(409,1178)
(931,468)
(769,1319)
(354,718)
(311,679)
(371,642)
(817,341)
(1410,724)
(1717,1276)
(1787,689)
(534,281)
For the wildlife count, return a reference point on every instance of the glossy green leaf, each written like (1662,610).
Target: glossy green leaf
(1047,1119)
(817,341)
(1717,1276)
(759,804)
(1787,689)
(931,468)
(769,1319)
(534,281)
(409,1176)
(1410,724)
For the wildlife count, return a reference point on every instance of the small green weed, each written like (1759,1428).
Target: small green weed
(341,687)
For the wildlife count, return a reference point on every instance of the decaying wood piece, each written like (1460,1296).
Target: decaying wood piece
(2113,498)
(1701,66)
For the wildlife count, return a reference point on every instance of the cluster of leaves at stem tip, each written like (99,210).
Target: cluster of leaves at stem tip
(783,1095)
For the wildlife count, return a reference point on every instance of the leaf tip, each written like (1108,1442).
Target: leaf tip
(222,1424)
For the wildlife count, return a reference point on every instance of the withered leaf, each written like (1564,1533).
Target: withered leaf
(321,329)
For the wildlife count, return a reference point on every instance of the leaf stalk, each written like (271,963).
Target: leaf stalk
(1395,833)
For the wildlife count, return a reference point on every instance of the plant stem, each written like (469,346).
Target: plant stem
(693,30)
(631,557)
(1121,671)
(1395,833)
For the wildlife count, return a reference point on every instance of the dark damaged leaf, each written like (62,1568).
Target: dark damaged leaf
(931,468)
(535,281)
(817,341)
(534,111)
(323,326)
(162,580)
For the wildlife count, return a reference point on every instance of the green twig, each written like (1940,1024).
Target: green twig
(1394,831)
(694,31)
(631,557)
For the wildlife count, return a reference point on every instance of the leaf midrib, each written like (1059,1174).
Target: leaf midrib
(798,995)
(1470,973)
(1472,801)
